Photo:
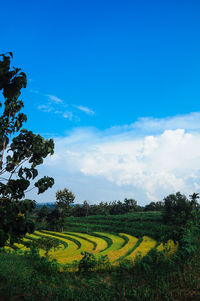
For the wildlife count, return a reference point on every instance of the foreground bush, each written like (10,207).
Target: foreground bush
(154,277)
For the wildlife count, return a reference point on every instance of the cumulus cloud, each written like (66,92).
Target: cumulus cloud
(149,166)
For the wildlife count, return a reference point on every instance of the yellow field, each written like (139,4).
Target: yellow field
(72,244)
(116,254)
(170,248)
(101,243)
(146,245)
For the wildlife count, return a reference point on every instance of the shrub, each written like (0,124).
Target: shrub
(87,263)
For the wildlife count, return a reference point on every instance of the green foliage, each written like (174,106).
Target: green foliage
(56,217)
(42,213)
(19,156)
(46,244)
(177,209)
(180,214)
(103,262)
(15,220)
(112,208)
(153,277)
(53,220)
(137,224)
(87,263)
(154,206)
(64,198)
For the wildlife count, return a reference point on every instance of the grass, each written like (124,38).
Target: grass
(31,278)
(137,224)
(154,277)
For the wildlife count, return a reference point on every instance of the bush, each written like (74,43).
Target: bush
(87,263)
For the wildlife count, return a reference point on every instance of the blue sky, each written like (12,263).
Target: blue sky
(109,73)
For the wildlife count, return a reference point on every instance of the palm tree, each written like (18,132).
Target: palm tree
(194,204)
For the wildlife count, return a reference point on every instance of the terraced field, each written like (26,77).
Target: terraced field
(116,246)
(137,224)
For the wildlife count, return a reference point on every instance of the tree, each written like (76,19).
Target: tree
(177,209)
(195,206)
(65,199)
(154,206)
(54,221)
(194,197)
(46,244)
(130,204)
(21,152)
(180,214)
(85,208)
(42,213)
(117,207)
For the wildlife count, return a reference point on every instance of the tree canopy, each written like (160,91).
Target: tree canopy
(21,151)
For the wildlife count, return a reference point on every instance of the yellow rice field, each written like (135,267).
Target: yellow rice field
(121,246)
(146,245)
(100,242)
(116,254)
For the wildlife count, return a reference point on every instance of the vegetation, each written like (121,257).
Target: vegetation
(119,247)
(61,210)
(46,244)
(156,277)
(20,154)
(121,268)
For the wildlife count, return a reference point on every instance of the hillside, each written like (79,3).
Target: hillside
(137,224)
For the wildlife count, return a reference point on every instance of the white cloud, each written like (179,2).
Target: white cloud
(147,167)
(68,115)
(85,110)
(153,164)
(54,98)
(45,108)
(148,124)
(57,106)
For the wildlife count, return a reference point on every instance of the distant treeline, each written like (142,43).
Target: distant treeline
(104,208)
(53,215)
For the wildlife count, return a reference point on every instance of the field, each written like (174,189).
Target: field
(138,224)
(94,234)
(124,239)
